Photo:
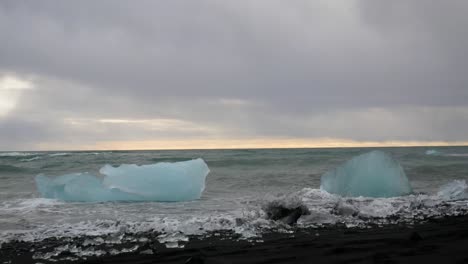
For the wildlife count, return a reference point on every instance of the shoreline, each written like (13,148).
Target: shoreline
(443,239)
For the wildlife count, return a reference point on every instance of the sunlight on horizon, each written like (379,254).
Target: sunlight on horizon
(183,144)
(11,88)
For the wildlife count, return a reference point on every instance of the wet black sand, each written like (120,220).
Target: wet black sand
(437,241)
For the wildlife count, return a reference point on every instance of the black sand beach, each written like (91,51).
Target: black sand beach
(437,241)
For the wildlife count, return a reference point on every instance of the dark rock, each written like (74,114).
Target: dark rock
(195,260)
(286,213)
(415,236)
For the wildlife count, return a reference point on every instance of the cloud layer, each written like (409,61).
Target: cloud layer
(240,70)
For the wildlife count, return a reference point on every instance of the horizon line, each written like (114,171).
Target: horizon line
(324,145)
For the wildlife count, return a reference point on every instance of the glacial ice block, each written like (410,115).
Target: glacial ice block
(168,182)
(373,174)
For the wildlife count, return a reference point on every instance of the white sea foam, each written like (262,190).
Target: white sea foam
(457,155)
(433,152)
(31,159)
(59,154)
(29,204)
(16,154)
(455,190)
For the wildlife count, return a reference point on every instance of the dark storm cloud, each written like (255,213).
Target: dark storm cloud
(240,68)
(434,34)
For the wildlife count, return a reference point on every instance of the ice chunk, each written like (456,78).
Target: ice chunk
(455,190)
(82,187)
(373,174)
(163,181)
(179,181)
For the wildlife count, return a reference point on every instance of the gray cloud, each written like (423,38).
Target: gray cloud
(364,70)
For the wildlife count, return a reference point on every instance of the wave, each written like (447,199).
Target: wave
(31,156)
(250,221)
(89,224)
(93,153)
(59,154)
(457,155)
(321,207)
(11,169)
(31,159)
(433,152)
(27,205)
(17,154)
(156,160)
(455,190)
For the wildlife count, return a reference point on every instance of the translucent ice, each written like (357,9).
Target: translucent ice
(161,181)
(373,174)
(179,181)
(82,187)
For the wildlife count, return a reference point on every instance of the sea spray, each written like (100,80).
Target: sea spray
(454,190)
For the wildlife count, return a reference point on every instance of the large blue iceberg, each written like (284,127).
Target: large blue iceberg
(373,174)
(168,182)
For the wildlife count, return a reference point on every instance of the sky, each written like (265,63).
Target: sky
(115,74)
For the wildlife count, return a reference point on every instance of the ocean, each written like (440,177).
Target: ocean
(239,186)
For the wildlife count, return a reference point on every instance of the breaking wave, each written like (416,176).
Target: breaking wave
(316,208)
(16,154)
(455,190)
(59,154)
(433,152)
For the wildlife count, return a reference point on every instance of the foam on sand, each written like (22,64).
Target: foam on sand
(373,174)
(178,181)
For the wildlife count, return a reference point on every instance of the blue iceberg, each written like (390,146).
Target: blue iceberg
(166,182)
(373,174)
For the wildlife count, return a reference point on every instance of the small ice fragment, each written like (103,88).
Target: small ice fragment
(173,240)
(173,245)
(147,252)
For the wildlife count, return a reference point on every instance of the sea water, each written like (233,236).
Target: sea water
(238,186)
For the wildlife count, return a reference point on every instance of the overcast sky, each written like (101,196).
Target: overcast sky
(209,73)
